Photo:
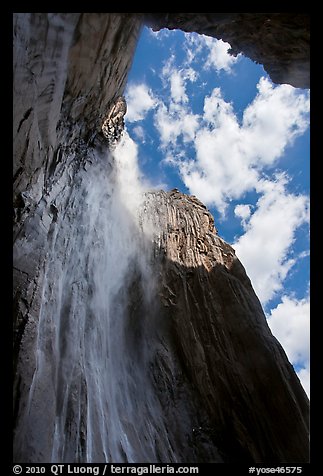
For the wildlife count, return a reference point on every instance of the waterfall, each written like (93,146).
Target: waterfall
(137,352)
(91,382)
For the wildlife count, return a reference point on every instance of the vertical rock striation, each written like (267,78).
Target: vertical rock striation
(255,408)
(111,324)
(69,68)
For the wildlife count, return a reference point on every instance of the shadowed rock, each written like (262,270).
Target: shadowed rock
(256,409)
(189,371)
(279,41)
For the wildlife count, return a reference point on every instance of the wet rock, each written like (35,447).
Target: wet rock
(198,354)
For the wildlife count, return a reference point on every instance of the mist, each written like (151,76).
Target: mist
(90,382)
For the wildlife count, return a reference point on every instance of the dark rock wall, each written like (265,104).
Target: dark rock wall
(68,70)
(98,377)
(209,345)
(279,41)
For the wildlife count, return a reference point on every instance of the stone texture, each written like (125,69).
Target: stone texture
(279,41)
(113,125)
(68,70)
(204,359)
(256,409)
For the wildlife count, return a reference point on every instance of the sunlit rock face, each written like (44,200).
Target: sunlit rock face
(254,406)
(138,337)
(113,124)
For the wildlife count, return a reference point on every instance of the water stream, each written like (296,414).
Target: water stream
(92,397)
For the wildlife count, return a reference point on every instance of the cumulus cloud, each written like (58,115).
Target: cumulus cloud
(193,45)
(140,100)
(273,120)
(174,119)
(139,133)
(221,158)
(173,123)
(231,158)
(160,34)
(243,211)
(269,235)
(290,324)
(218,57)
(230,155)
(177,79)
(177,87)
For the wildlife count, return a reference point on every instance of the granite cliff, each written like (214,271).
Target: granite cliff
(238,372)
(120,312)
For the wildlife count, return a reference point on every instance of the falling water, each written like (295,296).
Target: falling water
(92,397)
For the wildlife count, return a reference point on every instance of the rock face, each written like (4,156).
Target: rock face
(69,69)
(254,407)
(279,41)
(113,125)
(98,340)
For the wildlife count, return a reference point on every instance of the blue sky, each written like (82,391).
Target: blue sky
(215,126)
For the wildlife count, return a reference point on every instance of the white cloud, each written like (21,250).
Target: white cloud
(160,34)
(273,120)
(140,100)
(304,254)
(177,79)
(243,211)
(215,52)
(230,155)
(270,232)
(171,124)
(304,376)
(290,324)
(230,160)
(177,87)
(218,112)
(139,133)
(174,120)
(218,57)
